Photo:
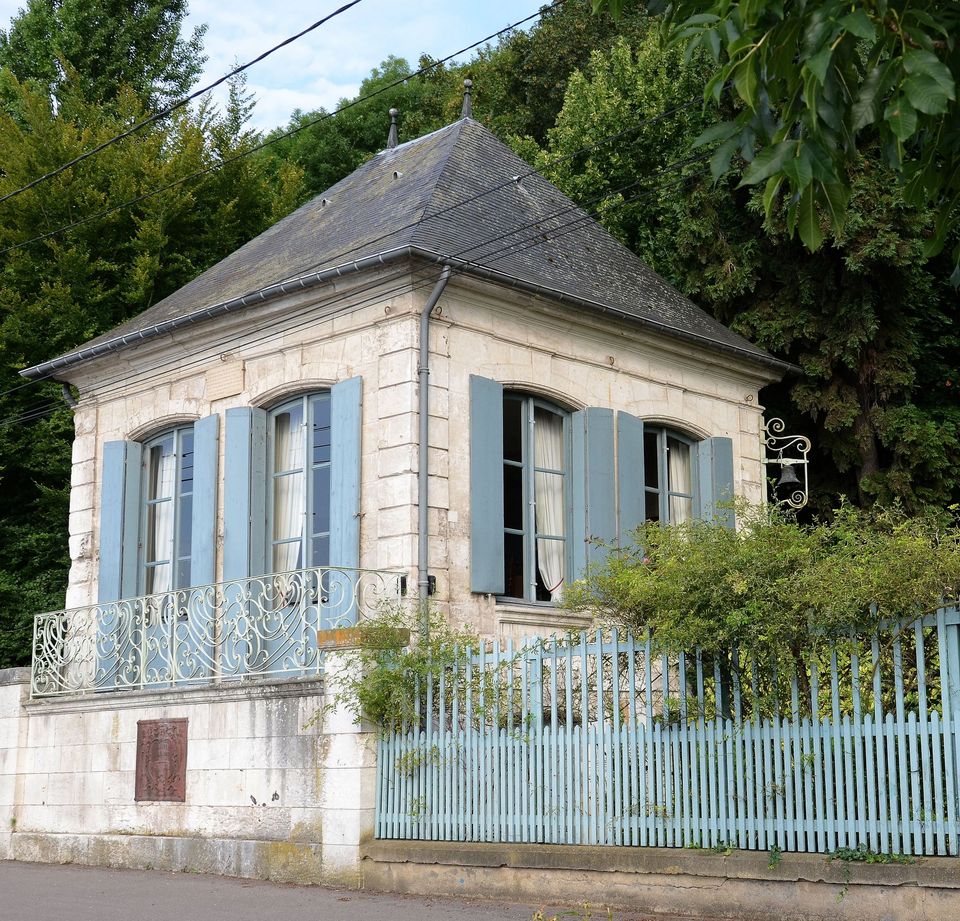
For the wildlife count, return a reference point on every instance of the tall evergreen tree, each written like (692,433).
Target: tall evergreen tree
(95,48)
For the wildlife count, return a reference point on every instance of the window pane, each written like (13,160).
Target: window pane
(320,554)
(513,497)
(288,506)
(321,431)
(321,500)
(681,509)
(287,556)
(550,569)
(548,429)
(512,430)
(158,579)
(653,506)
(651,463)
(185,527)
(183,573)
(159,531)
(549,493)
(513,566)
(288,439)
(678,467)
(186,461)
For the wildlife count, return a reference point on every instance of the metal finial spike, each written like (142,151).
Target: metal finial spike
(392,139)
(467,111)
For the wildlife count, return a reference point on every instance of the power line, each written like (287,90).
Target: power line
(105,212)
(553,161)
(169,110)
(255,335)
(349,297)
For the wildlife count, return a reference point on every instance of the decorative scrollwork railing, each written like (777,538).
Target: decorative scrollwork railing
(251,628)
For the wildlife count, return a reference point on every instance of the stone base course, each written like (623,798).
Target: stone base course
(671,882)
(279,861)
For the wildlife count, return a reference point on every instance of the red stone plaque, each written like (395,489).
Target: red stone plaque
(161,761)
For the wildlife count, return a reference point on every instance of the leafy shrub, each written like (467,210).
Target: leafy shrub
(774,588)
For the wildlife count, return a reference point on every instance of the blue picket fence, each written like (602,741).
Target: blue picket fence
(596,739)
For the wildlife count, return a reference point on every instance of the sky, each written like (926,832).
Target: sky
(328,64)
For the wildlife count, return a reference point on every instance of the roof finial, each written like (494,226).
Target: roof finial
(392,138)
(467,111)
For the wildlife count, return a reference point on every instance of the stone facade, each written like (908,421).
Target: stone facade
(272,766)
(308,342)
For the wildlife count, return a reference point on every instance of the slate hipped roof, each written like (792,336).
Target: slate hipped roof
(457,196)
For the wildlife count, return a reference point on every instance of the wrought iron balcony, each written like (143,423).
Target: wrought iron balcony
(265,627)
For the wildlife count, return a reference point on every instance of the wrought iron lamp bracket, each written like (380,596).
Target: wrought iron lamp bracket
(791,454)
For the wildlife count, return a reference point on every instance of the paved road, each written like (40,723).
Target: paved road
(42,892)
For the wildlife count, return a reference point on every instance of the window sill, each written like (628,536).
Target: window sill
(539,614)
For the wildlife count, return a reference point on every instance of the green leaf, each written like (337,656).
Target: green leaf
(808,221)
(769,161)
(770,194)
(720,161)
(859,23)
(835,197)
(866,109)
(928,64)
(926,94)
(798,169)
(746,82)
(718,132)
(901,117)
(819,63)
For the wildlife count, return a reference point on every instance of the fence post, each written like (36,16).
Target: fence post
(950,658)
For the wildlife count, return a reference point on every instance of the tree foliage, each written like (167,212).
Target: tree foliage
(99,49)
(817,85)
(867,318)
(62,291)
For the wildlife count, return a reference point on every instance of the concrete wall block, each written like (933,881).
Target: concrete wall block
(392,432)
(212,754)
(84,448)
(398,368)
(119,788)
(396,491)
(345,827)
(81,497)
(396,399)
(82,473)
(397,461)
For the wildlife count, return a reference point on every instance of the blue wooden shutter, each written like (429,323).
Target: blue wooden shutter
(713,480)
(119,520)
(244,493)
(631,495)
(203,547)
(486,486)
(593,489)
(345,435)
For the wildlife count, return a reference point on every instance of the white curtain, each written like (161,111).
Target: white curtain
(163,474)
(288,502)
(678,459)
(548,453)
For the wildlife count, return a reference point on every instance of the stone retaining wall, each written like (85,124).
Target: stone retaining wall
(740,885)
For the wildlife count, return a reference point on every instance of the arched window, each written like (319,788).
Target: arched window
(534,498)
(298,496)
(167,517)
(668,475)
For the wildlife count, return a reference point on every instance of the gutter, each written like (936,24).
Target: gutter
(306,282)
(261,296)
(423,453)
(481,271)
